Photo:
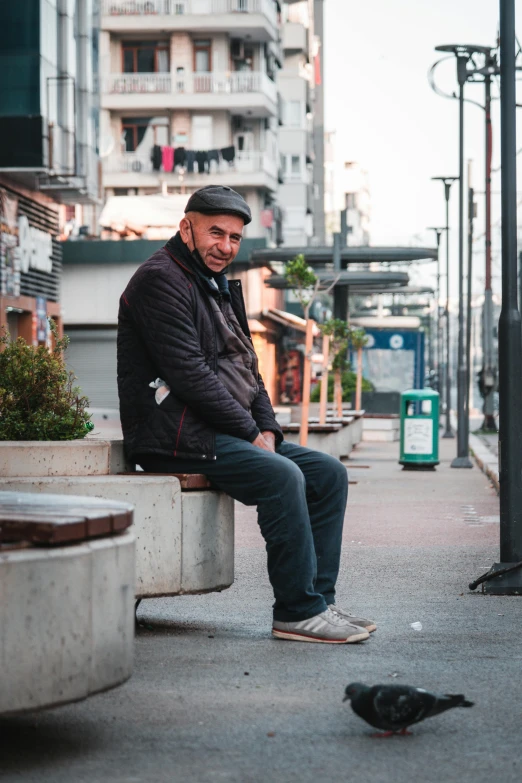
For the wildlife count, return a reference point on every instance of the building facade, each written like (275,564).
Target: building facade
(48,156)
(189,97)
(300,134)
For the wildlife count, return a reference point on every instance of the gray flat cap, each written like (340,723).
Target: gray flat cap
(219,200)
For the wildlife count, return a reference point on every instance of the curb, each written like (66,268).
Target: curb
(486,461)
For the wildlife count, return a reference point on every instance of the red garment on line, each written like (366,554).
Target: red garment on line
(167,158)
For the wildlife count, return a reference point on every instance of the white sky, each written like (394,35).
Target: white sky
(377,54)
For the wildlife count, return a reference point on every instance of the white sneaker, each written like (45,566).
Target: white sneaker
(326,628)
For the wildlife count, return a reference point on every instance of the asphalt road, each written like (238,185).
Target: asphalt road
(215,698)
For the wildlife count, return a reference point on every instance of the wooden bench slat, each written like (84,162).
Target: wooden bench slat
(186,480)
(41,522)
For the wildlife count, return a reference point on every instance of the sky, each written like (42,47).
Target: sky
(377,54)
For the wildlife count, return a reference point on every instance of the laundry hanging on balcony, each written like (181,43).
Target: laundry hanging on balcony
(171,159)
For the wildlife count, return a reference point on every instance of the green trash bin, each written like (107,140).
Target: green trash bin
(419,429)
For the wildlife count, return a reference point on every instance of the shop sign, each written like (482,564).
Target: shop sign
(22,246)
(35,247)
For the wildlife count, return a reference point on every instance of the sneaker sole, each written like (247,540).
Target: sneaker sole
(295,637)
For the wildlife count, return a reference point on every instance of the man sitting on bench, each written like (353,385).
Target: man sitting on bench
(192,401)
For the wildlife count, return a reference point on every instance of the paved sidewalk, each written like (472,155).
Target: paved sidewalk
(214,698)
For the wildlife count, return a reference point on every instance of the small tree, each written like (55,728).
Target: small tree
(339,333)
(358,339)
(38,399)
(305,282)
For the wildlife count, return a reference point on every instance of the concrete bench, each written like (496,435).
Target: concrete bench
(384,428)
(337,437)
(184,529)
(66,581)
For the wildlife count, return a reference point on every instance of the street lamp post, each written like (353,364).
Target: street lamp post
(447,182)
(438,331)
(464,54)
(462,459)
(510,338)
(489,373)
(469,369)
(505,578)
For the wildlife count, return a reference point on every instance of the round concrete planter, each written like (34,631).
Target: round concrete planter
(67,619)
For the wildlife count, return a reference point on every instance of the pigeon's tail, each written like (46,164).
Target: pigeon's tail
(458,700)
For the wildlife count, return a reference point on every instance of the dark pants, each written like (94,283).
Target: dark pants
(301,499)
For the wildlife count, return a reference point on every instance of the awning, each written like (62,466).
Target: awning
(140,213)
(289,320)
(255,326)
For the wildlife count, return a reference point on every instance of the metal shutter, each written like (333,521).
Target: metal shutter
(91,356)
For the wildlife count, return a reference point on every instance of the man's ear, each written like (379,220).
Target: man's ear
(186,233)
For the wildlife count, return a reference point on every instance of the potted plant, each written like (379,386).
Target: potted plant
(39,404)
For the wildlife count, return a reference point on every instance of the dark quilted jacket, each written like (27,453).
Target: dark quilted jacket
(166,330)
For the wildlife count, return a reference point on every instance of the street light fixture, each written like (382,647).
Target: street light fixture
(447,182)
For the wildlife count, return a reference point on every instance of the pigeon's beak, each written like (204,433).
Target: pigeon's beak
(346,697)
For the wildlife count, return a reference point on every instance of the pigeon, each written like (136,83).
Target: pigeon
(392,708)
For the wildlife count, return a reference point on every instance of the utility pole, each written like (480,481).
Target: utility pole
(447,182)
(340,292)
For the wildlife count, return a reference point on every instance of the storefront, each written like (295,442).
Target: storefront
(30,265)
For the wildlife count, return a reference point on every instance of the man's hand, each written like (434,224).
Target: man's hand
(265,441)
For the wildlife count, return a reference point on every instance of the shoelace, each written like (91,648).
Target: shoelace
(346,612)
(334,617)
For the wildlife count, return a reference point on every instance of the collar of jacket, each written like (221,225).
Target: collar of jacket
(178,250)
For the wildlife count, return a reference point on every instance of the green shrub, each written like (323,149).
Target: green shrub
(348,380)
(38,400)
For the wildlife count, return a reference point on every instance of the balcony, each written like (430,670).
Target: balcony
(250,91)
(255,18)
(134,170)
(295,37)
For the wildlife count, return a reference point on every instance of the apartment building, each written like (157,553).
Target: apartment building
(189,97)
(48,157)
(296,131)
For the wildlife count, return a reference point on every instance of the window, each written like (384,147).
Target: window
(294,114)
(350,201)
(135,128)
(202,132)
(203,56)
(145,57)
(295,165)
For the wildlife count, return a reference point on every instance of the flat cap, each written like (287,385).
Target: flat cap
(219,200)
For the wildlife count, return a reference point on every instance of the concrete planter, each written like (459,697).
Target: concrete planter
(184,539)
(67,619)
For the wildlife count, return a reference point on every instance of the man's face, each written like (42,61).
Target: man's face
(217,237)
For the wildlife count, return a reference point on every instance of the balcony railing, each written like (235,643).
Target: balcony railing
(138,83)
(231,82)
(251,162)
(182,7)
